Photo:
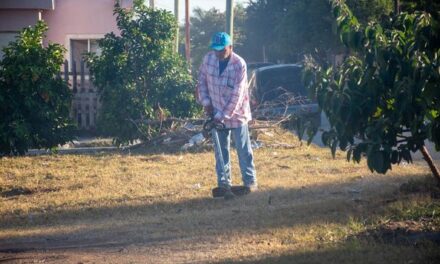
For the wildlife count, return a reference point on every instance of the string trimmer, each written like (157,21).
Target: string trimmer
(211,127)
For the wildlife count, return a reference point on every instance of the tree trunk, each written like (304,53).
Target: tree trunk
(431,164)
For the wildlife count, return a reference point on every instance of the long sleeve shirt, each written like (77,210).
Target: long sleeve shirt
(227,92)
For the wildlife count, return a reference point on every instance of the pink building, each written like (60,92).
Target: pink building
(75,24)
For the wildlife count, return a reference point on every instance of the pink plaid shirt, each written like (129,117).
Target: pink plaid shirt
(227,93)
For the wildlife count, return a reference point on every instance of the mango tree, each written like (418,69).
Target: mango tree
(139,76)
(383,101)
(34,102)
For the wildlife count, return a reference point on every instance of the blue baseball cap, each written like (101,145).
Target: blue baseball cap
(220,41)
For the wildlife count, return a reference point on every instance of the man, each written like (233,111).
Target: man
(222,89)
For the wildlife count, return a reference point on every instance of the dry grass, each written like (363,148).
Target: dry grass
(156,208)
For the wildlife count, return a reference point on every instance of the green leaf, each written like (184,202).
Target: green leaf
(375,161)
(357,154)
(35,103)
(139,75)
(395,157)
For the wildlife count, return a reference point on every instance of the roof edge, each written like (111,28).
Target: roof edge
(28,4)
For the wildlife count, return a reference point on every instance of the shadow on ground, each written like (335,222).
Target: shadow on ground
(346,252)
(149,221)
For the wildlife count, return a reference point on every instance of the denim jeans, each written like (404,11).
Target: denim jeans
(244,152)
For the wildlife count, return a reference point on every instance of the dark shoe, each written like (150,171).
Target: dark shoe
(219,192)
(236,190)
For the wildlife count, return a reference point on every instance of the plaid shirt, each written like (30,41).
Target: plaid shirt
(228,92)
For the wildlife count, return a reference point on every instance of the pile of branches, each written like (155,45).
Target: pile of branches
(176,132)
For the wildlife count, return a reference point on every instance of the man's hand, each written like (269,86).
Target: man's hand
(218,118)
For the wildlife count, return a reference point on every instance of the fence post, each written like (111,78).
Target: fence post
(66,71)
(83,89)
(74,76)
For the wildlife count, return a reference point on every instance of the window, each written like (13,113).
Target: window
(5,38)
(79,47)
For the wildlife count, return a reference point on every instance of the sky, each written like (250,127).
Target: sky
(203,4)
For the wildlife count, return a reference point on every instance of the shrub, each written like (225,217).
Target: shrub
(138,74)
(34,102)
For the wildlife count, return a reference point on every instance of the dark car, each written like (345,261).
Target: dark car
(277,91)
(255,65)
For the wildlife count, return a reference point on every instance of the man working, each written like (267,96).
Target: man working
(223,91)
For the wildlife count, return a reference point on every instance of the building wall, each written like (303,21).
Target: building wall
(15,20)
(67,19)
(5,39)
(79,19)
(12,21)
(75,24)
(27,4)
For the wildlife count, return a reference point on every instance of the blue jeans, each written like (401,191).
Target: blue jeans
(244,152)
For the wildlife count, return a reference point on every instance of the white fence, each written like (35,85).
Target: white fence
(85,104)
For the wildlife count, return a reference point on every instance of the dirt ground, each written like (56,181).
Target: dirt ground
(157,208)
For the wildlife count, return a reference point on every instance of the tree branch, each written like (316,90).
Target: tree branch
(431,164)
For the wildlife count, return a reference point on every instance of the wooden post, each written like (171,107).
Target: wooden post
(187,36)
(83,89)
(230,18)
(176,14)
(66,71)
(74,76)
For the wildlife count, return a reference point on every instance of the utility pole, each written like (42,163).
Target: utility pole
(230,18)
(176,14)
(187,37)
(396,7)
(152,4)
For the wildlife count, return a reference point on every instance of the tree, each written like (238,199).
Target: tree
(138,75)
(34,102)
(205,23)
(430,6)
(262,18)
(287,29)
(383,102)
(294,39)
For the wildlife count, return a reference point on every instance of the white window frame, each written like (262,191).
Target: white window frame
(68,43)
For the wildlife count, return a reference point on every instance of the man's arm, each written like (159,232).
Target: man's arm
(202,88)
